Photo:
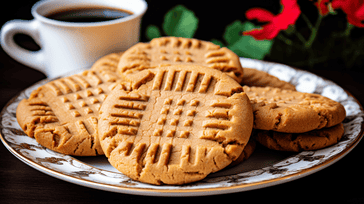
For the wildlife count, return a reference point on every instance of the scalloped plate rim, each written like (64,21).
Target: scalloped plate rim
(184,191)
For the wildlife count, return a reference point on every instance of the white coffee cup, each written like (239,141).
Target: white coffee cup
(68,46)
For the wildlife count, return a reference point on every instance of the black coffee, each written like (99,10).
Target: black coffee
(84,15)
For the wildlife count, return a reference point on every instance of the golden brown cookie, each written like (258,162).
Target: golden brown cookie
(296,142)
(247,152)
(178,124)
(254,77)
(176,50)
(291,111)
(62,115)
(107,63)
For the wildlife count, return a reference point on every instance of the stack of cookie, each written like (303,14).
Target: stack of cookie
(172,111)
(288,120)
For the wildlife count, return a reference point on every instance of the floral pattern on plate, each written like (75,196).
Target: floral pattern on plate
(261,170)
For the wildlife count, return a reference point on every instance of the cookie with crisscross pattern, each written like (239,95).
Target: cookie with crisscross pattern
(62,115)
(176,50)
(177,125)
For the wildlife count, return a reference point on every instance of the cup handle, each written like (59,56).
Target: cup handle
(34,59)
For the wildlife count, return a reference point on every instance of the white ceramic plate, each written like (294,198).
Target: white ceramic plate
(264,168)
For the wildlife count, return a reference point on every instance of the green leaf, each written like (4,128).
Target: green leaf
(248,47)
(245,46)
(180,22)
(153,32)
(218,42)
(233,31)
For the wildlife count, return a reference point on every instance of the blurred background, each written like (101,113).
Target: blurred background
(213,19)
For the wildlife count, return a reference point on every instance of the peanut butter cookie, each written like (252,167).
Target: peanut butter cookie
(175,50)
(247,152)
(108,62)
(291,111)
(62,115)
(296,142)
(254,77)
(177,125)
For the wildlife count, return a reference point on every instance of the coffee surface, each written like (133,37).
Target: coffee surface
(84,15)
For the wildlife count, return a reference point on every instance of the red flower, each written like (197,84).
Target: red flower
(288,16)
(354,10)
(359,14)
(323,6)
